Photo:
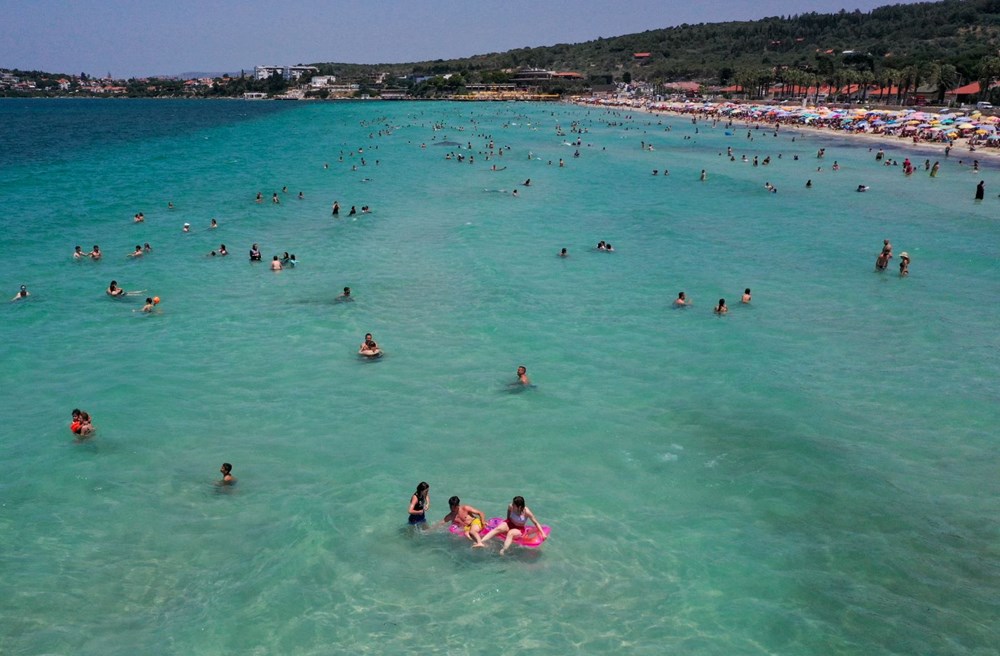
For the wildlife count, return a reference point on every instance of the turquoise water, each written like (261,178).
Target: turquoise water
(815,473)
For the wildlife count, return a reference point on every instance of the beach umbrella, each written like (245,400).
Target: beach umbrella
(924,125)
(965,126)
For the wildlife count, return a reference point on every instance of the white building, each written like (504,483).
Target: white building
(287,72)
(320,81)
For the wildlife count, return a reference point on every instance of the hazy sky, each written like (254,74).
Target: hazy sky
(147,37)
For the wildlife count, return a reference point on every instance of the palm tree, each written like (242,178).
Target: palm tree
(947,77)
(888,77)
(848,78)
(989,70)
(866,78)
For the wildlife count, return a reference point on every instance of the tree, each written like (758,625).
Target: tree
(946,78)
(276,84)
(888,78)
(989,71)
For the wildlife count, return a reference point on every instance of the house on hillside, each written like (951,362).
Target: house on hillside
(286,72)
(320,81)
(531,75)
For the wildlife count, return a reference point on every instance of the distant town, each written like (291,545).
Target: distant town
(299,82)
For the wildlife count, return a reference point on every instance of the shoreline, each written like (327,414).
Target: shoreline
(960,149)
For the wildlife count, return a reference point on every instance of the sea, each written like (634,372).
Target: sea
(815,472)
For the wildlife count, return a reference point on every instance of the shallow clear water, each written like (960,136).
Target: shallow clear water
(815,473)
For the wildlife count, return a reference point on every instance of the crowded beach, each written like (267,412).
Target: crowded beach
(968,130)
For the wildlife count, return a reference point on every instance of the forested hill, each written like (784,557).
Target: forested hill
(956,32)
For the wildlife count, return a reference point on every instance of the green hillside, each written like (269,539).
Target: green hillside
(931,46)
(926,38)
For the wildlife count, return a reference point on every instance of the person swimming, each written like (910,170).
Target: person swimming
(721,307)
(369,348)
(255,255)
(681,300)
(227,474)
(21,294)
(114,290)
(515,525)
(469,519)
(81,426)
(522,375)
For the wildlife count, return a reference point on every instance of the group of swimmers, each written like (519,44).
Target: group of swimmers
(354,210)
(472,521)
(882,260)
(95,254)
(81,425)
(683,301)
(279,264)
(370,349)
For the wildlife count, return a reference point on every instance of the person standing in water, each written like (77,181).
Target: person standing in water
(980,190)
(522,375)
(227,474)
(420,503)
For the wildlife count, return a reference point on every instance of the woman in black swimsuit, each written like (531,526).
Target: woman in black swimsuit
(420,503)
